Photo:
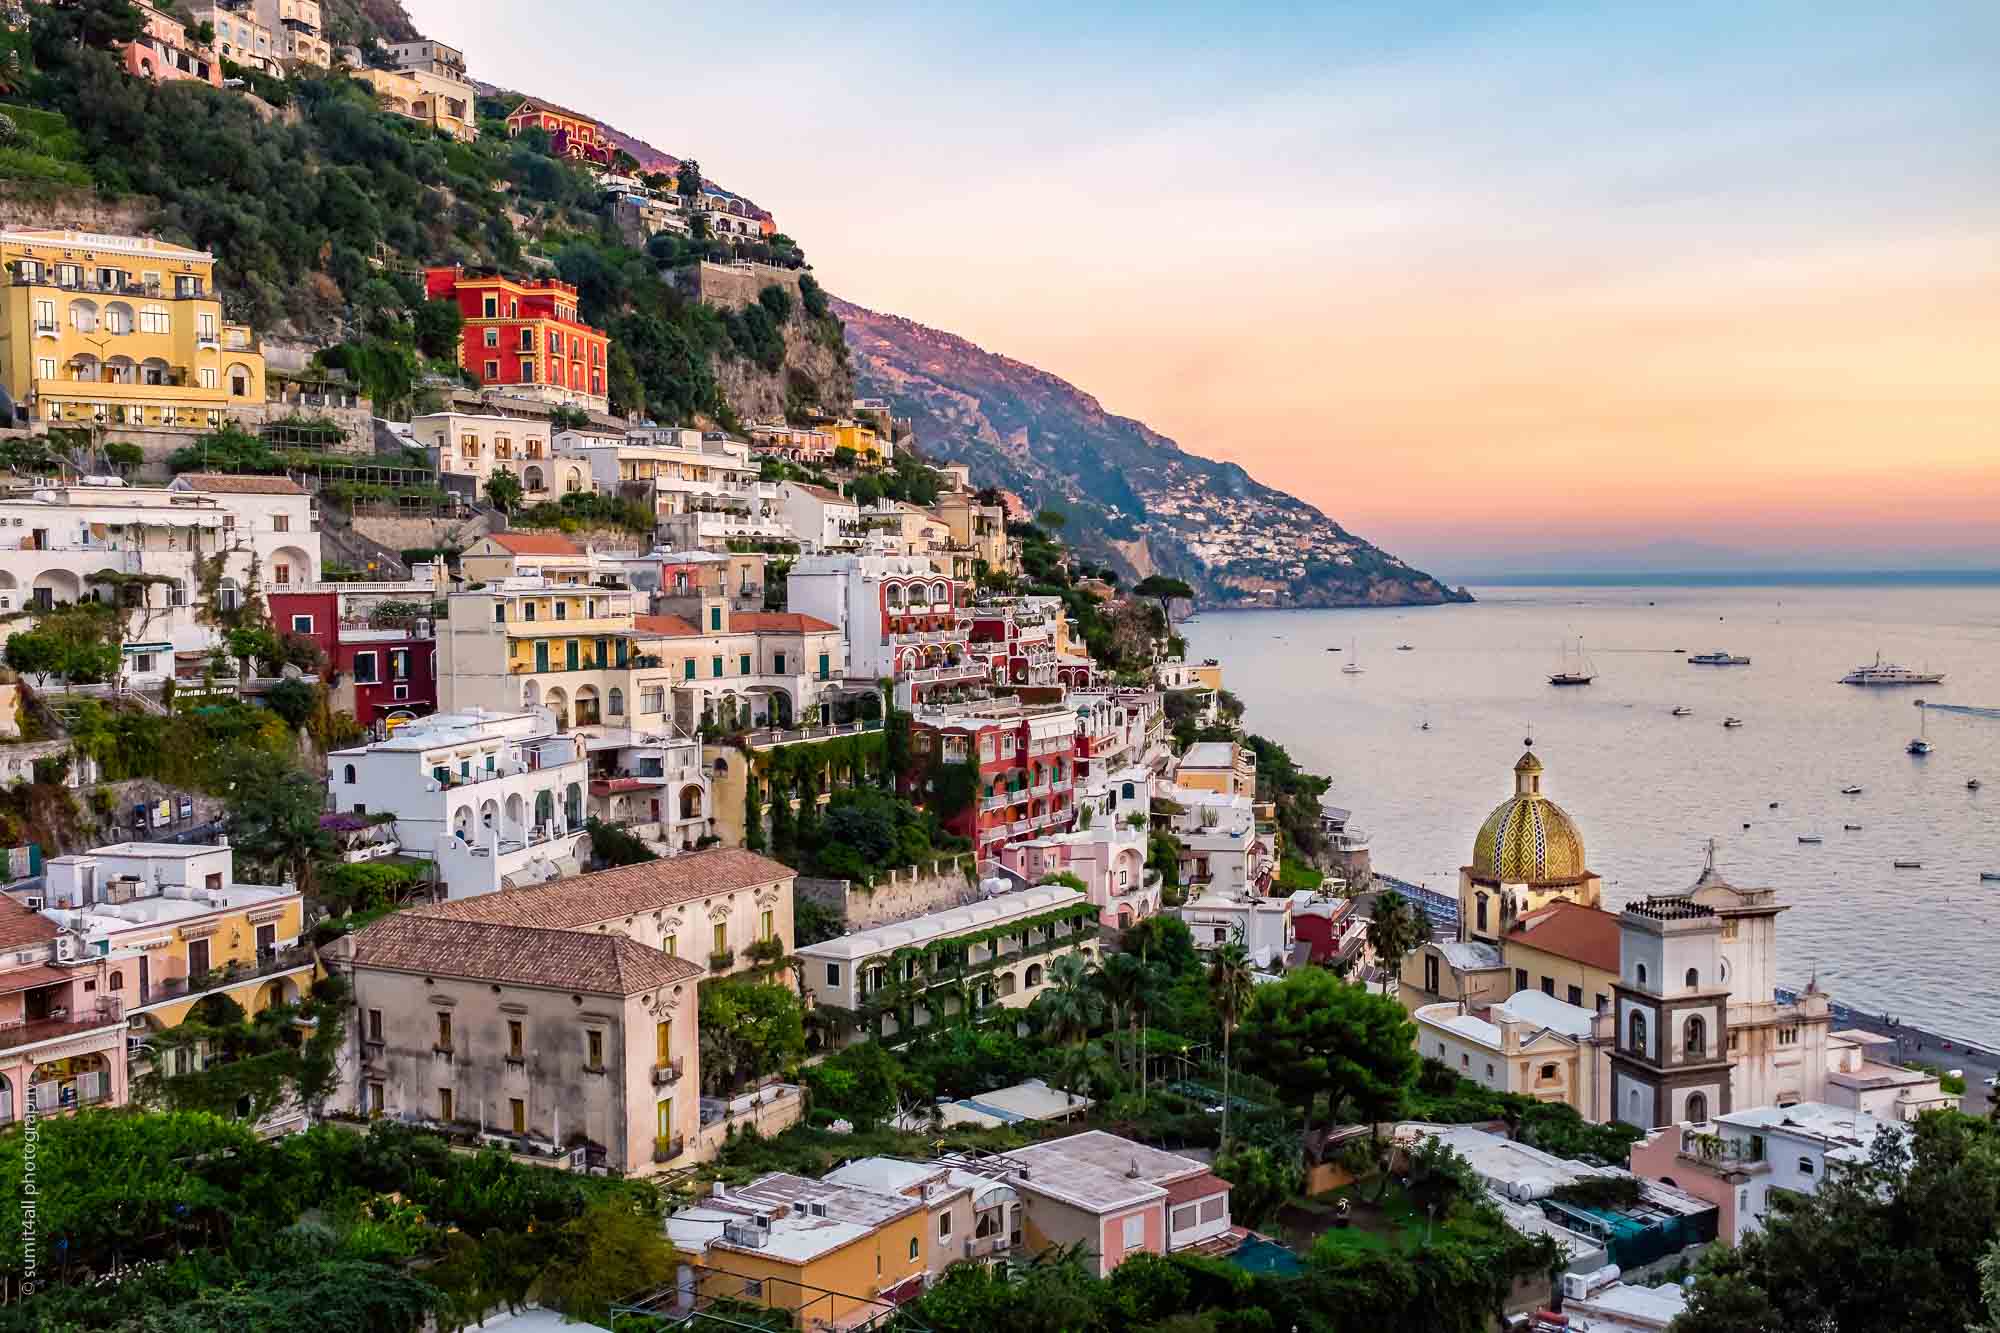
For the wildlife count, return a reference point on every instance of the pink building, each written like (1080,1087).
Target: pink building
(1116,1198)
(62,1033)
(164,51)
(1111,862)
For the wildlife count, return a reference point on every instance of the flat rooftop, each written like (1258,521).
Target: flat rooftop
(1848,1134)
(995,911)
(167,907)
(1098,1171)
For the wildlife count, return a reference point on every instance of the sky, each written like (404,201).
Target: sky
(1500,286)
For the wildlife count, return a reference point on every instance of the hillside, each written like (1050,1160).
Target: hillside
(1131,495)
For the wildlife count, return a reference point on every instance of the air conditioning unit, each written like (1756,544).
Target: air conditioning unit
(65,946)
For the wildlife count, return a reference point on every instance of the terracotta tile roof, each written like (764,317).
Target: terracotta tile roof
(439,945)
(22,926)
(27,978)
(1196,1187)
(795,622)
(537,104)
(672,627)
(822,492)
(227,484)
(1581,934)
(588,900)
(535,543)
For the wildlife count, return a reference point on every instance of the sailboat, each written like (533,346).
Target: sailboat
(1351,667)
(1582,673)
(1921,745)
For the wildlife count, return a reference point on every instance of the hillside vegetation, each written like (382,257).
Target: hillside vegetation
(323,213)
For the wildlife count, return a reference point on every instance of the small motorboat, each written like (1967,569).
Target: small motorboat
(1403,648)
(1909,865)
(1774,805)
(1683,711)
(1852,828)
(1333,650)
(1425,727)
(1850,790)
(1989,876)
(1746,823)
(1808,838)
(1732,721)
(1919,746)
(1972,784)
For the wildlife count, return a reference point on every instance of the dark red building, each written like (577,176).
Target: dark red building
(526,335)
(1026,759)
(373,671)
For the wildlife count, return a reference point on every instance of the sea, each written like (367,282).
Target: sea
(1650,790)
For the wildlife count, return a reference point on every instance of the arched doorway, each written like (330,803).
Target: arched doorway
(691,802)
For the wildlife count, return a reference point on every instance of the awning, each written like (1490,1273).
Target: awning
(148,648)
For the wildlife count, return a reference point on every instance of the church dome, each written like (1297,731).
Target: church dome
(1528,839)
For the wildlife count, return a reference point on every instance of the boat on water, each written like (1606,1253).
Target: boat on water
(1577,672)
(1732,721)
(1972,784)
(1888,673)
(1718,658)
(1774,805)
(1920,744)
(1990,876)
(1852,828)
(1850,790)
(1809,837)
(1909,865)
(1351,667)
(1404,648)
(1683,711)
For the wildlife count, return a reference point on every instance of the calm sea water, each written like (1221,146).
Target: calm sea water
(1649,789)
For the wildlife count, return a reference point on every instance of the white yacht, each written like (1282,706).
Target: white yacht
(1888,673)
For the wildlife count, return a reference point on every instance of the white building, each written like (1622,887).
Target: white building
(678,471)
(652,782)
(1263,925)
(1786,1148)
(896,613)
(476,445)
(1533,1044)
(240,38)
(895,966)
(496,799)
(824,520)
(1884,1088)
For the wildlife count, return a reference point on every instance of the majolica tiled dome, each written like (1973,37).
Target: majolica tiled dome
(1528,838)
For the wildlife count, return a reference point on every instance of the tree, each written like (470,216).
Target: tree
(1164,590)
(1313,1034)
(1393,931)
(1229,985)
(1917,1217)
(688,183)
(753,1027)
(611,845)
(79,643)
(753,817)
(250,644)
(1051,519)
(504,489)
(439,329)
(1259,1183)
(1121,979)
(1069,1006)
(273,808)
(612,1251)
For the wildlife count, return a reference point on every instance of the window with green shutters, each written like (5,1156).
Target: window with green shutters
(715,665)
(621,652)
(715,620)
(743,664)
(541,654)
(778,663)
(570,653)
(687,669)
(823,666)
(603,654)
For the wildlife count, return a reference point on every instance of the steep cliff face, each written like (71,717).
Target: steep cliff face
(1133,497)
(816,374)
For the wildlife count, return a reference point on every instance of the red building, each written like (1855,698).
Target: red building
(526,336)
(372,672)
(571,133)
(1026,761)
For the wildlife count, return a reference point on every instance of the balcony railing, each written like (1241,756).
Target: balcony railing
(667,1073)
(269,963)
(103,1012)
(722,960)
(667,1149)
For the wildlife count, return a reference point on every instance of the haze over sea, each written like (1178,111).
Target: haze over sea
(1649,789)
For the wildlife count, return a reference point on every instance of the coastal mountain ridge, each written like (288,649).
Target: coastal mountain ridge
(1130,496)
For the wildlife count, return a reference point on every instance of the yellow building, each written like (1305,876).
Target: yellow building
(828,1254)
(175,928)
(861,438)
(121,330)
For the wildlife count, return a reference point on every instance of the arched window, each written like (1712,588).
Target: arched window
(118,981)
(1640,971)
(615,702)
(1697,1108)
(1636,1032)
(895,595)
(1805,1166)
(1694,978)
(1694,1035)
(347,775)
(1482,911)
(1549,1073)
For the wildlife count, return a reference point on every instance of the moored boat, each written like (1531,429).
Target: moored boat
(1909,865)
(1718,658)
(1888,673)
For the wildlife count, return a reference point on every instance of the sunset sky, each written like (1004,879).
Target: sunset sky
(1497,285)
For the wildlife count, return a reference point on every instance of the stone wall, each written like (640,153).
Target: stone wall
(897,895)
(770,1110)
(731,286)
(404,534)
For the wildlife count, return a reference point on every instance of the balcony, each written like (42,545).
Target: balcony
(270,964)
(666,1074)
(667,1149)
(722,960)
(104,1013)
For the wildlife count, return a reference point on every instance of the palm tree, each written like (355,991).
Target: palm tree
(1394,930)
(1071,1005)
(1229,984)
(1119,978)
